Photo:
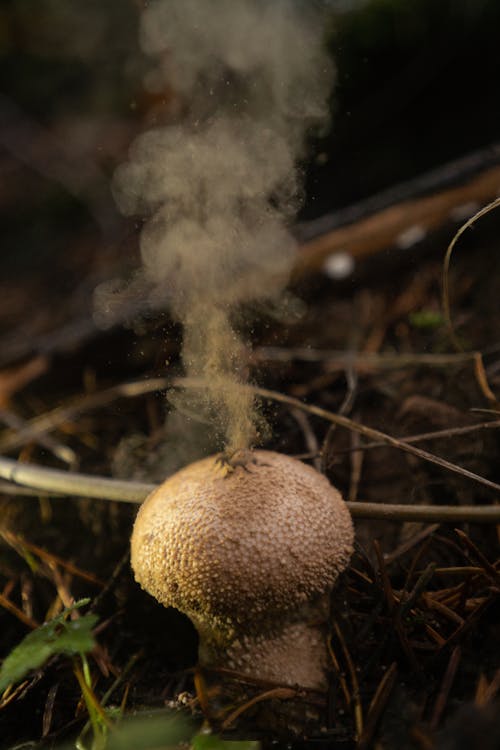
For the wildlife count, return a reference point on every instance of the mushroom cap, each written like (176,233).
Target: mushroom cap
(235,545)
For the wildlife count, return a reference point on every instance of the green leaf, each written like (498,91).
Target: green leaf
(426,319)
(212,742)
(151,730)
(58,636)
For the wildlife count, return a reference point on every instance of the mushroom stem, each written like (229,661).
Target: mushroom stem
(294,655)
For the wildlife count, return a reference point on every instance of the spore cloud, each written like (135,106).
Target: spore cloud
(220,184)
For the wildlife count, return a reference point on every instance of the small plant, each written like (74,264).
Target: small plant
(61,635)
(110,730)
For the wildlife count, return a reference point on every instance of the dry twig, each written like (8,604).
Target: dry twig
(62,484)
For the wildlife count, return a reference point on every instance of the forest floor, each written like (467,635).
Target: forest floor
(415,620)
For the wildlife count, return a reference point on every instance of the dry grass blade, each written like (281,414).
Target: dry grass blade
(338,673)
(17,424)
(280,693)
(409,600)
(377,706)
(393,607)
(13,380)
(482,380)
(49,709)
(489,569)
(51,420)
(486,691)
(21,616)
(442,609)
(479,608)
(409,544)
(434,435)
(446,268)
(11,694)
(355,694)
(58,482)
(359,360)
(17,542)
(314,696)
(202,694)
(446,686)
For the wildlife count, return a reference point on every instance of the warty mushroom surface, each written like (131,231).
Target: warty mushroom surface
(249,550)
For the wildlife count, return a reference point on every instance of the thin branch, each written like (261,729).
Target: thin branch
(377,706)
(59,483)
(439,179)
(62,452)
(81,485)
(55,482)
(369,432)
(49,421)
(433,435)
(359,360)
(386,228)
(22,616)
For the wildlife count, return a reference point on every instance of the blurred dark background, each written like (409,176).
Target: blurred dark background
(417,85)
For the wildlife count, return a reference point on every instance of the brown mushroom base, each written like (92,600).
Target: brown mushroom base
(254,671)
(294,655)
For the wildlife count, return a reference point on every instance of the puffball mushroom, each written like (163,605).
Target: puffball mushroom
(249,550)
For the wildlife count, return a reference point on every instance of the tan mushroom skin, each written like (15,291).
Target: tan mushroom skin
(249,551)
